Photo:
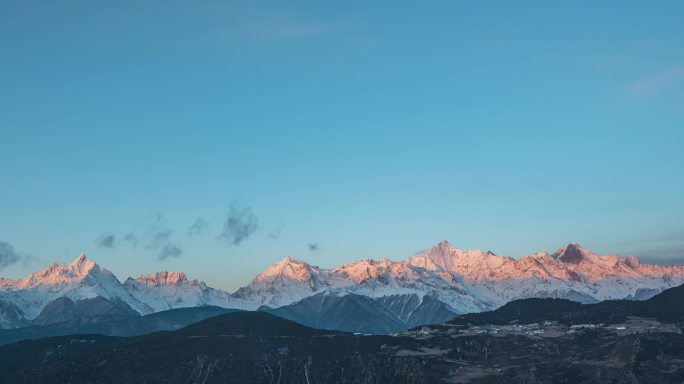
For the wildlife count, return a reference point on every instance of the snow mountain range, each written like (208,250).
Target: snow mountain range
(379,296)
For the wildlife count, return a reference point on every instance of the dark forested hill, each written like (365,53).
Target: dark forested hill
(666,306)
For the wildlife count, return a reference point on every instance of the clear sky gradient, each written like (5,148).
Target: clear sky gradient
(369,129)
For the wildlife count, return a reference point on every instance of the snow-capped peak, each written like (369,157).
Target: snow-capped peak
(163,278)
(75,272)
(82,265)
(287,268)
(283,282)
(441,256)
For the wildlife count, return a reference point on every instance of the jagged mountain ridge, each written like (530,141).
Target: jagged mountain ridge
(463,281)
(169,290)
(362,314)
(469,281)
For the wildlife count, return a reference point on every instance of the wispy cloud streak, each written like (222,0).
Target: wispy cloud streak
(8,255)
(656,83)
(198,227)
(106,240)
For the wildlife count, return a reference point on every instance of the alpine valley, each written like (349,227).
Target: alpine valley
(367,296)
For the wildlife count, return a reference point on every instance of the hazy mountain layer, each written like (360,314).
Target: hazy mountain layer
(110,324)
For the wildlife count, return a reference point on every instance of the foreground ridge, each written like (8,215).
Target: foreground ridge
(255,347)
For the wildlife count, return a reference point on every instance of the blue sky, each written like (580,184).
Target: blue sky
(371,130)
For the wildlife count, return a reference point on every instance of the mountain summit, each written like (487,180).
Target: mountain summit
(288,268)
(81,279)
(82,264)
(573,253)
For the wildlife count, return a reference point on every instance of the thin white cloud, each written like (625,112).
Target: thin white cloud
(657,83)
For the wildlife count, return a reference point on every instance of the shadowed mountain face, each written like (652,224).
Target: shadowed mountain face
(412,311)
(11,316)
(350,313)
(118,323)
(64,309)
(356,313)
